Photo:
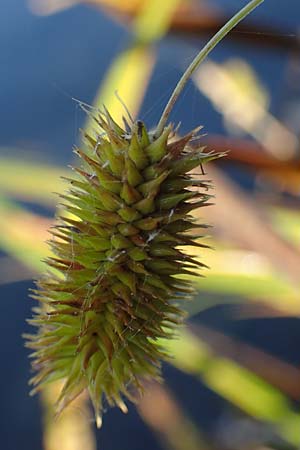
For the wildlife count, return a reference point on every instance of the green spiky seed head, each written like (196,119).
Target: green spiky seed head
(113,291)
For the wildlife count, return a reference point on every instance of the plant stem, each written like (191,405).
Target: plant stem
(200,57)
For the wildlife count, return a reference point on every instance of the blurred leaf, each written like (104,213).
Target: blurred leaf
(220,289)
(154,19)
(45,7)
(239,386)
(129,76)
(287,223)
(23,234)
(279,373)
(32,181)
(130,72)
(171,424)
(283,175)
(243,222)
(72,430)
(248,286)
(245,109)
(236,276)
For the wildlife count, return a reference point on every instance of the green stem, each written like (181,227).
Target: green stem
(200,57)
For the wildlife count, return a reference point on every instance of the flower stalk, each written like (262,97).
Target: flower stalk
(232,23)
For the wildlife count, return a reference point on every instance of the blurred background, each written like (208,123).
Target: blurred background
(234,381)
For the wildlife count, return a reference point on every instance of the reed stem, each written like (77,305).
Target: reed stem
(253,4)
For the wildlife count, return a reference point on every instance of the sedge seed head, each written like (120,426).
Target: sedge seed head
(118,246)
